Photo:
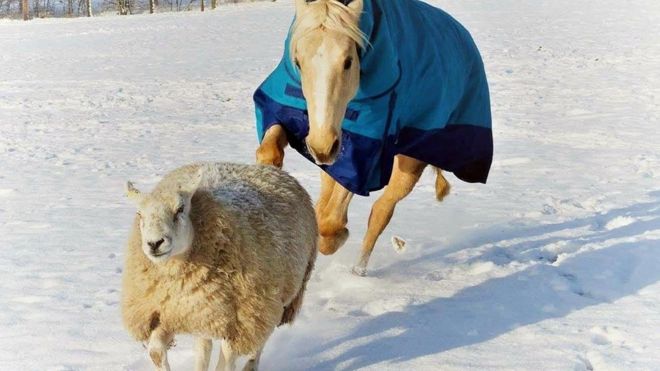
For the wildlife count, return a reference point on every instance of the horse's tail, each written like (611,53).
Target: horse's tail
(442,186)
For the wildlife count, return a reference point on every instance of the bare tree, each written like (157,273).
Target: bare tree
(5,3)
(25,9)
(29,9)
(123,7)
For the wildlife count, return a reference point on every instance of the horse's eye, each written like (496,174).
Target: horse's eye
(297,63)
(348,63)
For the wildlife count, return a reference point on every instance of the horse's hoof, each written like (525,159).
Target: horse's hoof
(268,156)
(359,271)
(329,245)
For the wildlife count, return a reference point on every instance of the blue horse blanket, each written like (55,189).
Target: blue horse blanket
(423,93)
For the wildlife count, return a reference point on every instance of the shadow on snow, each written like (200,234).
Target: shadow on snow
(601,274)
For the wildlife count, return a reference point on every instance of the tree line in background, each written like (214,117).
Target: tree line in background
(28,9)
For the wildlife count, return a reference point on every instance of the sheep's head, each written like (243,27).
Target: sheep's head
(164,218)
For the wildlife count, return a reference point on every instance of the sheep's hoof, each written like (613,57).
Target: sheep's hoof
(251,365)
(359,271)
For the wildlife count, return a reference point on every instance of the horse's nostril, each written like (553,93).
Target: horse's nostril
(335,147)
(155,245)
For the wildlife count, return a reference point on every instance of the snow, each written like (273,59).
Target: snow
(552,265)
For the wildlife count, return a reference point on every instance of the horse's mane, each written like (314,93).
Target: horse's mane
(331,15)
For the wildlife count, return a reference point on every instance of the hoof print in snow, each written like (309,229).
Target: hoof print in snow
(584,364)
(569,276)
(548,257)
(434,276)
(399,244)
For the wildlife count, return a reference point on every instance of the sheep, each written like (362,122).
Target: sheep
(218,251)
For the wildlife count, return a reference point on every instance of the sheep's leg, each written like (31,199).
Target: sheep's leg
(253,362)
(291,310)
(271,150)
(159,342)
(227,361)
(203,349)
(405,174)
(332,215)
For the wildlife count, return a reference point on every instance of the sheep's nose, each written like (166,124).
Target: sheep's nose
(155,245)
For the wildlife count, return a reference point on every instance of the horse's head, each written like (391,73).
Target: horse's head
(324,46)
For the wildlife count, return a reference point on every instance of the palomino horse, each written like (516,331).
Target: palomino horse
(373,91)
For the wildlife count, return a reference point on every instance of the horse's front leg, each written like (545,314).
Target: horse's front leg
(271,150)
(332,215)
(405,174)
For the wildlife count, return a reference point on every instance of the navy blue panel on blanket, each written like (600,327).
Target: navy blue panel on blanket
(446,148)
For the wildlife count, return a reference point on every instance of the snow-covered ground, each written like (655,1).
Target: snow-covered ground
(554,265)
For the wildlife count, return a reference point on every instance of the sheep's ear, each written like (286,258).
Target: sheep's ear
(133,193)
(190,187)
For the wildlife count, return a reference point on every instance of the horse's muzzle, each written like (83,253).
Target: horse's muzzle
(325,157)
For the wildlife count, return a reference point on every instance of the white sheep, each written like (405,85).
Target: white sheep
(219,251)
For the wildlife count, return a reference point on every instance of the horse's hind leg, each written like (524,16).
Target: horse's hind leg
(405,174)
(442,186)
(271,150)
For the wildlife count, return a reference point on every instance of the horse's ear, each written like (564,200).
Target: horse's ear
(345,2)
(301,6)
(356,5)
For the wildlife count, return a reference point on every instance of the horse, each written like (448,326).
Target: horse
(373,92)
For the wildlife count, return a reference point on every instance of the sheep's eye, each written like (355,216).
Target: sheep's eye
(297,63)
(179,211)
(138,215)
(348,63)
